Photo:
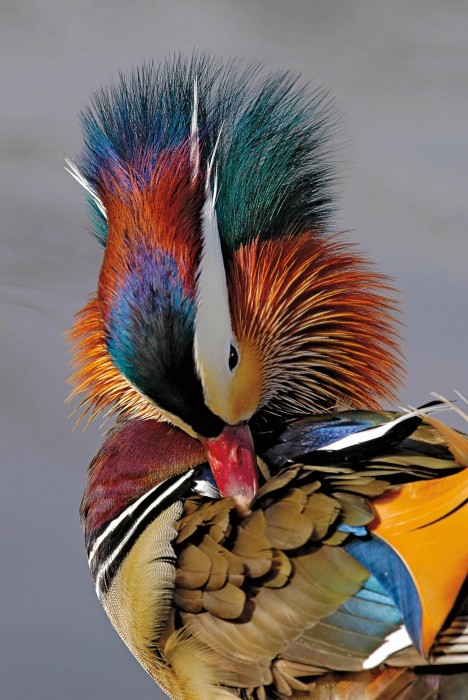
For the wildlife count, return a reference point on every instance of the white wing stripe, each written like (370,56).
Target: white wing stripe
(373,433)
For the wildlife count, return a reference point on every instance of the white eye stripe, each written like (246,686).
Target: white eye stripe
(213,329)
(215,352)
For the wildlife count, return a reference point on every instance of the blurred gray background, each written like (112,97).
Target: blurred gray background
(398,71)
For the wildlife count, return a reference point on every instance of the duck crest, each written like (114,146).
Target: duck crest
(274,174)
(195,152)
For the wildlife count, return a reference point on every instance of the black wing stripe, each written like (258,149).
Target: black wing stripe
(110,548)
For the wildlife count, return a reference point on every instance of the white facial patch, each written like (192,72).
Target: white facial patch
(213,329)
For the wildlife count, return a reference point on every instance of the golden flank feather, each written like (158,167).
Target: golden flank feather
(433,538)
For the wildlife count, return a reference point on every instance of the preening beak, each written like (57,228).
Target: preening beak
(232,460)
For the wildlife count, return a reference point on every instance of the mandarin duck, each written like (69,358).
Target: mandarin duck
(256,525)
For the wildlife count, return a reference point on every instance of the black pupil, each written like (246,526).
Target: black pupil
(233,357)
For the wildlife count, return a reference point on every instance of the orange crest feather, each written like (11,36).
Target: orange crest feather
(319,320)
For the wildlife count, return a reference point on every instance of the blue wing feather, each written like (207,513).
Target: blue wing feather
(390,572)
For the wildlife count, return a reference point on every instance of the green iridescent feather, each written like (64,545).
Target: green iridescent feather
(273,166)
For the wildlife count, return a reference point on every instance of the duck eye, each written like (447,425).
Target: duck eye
(233,357)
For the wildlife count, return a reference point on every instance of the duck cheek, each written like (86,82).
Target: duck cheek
(247,384)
